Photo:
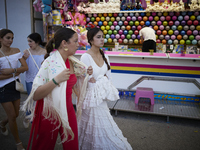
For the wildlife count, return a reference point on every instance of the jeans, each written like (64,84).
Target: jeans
(29,87)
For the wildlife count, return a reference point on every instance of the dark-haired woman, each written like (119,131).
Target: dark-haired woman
(52,90)
(35,42)
(9,96)
(97,129)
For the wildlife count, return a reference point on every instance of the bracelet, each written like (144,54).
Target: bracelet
(55,82)
(15,69)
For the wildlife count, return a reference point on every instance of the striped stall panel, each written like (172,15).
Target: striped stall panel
(158,70)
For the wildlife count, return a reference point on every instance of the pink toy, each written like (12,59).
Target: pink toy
(145,93)
(37,5)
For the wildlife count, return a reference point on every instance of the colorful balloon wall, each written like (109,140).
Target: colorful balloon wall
(170,27)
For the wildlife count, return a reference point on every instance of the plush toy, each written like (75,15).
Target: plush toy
(193,5)
(46,7)
(37,5)
(60,4)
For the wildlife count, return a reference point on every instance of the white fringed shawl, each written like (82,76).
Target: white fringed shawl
(54,107)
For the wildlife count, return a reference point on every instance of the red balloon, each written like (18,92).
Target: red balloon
(158,41)
(158,32)
(189,22)
(195,22)
(171,23)
(120,40)
(139,27)
(189,32)
(168,18)
(136,32)
(125,23)
(115,14)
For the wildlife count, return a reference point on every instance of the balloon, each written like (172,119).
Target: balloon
(105,23)
(128,27)
(120,40)
(136,32)
(173,27)
(131,14)
(161,37)
(182,32)
(173,37)
(183,22)
(164,32)
(153,13)
(156,18)
(165,13)
(195,22)
(120,14)
(167,28)
(169,41)
(192,17)
(115,14)
(107,36)
(171,13)
(174,18)
(170,32)
(188,42)
(139,18)
(100,15)
(175,41)
(107,18)
(123,18)
(153,23)
(90,15)
(191,37)
(93,19)
(107,27)
(125,41)
(136,41)
(112,19)
(141,23)
(138,36)
(161,27)
(128,36)
(176,32)
(122,36)
(196,13)
(158,41)
(117,27)
(112,27)
(139,27)
(167,37)
(114,40)
(186,17)
(145,18)
(189,32)
(192,27)
(125,23)
(165,23)
(180,27)
(158,32)
(133,18)
(185,37)
(159,23)
(148,14)
(164,41)
(117,36)
(103,28)
(162,18)
(117,18)
(112,36)
(182,41)
(109,40)
(198,27)
(133,28)
(198,18)
(123,27)
(120,31)
(168,18)
(102,18)
(177,23)
(120,23)
(179,37)
(105,40)
(128,18)
(114,23)
(105,31)
(130,41)
(180,18)
(189,22)
(150,18)
(95,23)
(137,23)
(100,23)
(185,28)
(136,14)
(155,27)
(110,23)
(125,32)
(171,23)
(115,32)
(130,32)
(110,14)
(183,13)
(147,23)
(131,23)
(110,32)
(133,36)
(194,42)
(197,37)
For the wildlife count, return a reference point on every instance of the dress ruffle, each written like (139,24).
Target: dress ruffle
(98,131)
(102,90)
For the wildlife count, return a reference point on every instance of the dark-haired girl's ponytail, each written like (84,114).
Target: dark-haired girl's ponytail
(104,58)
(49,47)
(43,43)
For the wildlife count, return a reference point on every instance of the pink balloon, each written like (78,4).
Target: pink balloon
(112,27)
(117,36)
(122,36)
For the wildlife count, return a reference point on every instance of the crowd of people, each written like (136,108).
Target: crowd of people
(53,77)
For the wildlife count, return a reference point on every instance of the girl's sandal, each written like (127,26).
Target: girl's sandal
(4,130)
(21,147)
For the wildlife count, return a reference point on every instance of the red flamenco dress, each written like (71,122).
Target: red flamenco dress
(45,135)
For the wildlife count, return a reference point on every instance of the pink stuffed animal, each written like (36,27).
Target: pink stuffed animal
(37,5)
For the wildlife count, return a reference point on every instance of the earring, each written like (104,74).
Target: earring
(66,49)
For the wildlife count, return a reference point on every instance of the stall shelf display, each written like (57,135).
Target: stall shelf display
(170,27)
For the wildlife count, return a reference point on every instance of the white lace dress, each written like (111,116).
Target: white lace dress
(97,129)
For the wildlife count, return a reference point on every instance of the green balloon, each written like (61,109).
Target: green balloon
(188,42)
(110,23)
(92,19)
(131,23)
(110,32)
(115,32)
(128,36)
(191,37)
(130,32)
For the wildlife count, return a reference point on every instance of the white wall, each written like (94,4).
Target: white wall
(18,20)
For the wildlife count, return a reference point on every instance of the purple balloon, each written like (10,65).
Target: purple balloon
(122,36)
(120,31)
(176,32)
(183,22)
(138,36)
(150,18)
(159,23)
(133,36)
(174,18)
(196,13)
(171,13)
(133,18)
(197,37)
(162,18)
(173,37)
(133,27)
(177,23)
(88,19)
(115,23)
(117,36)
(186,17)
(139,18)
(195,32)
(112,36)
(128,18)
(167,37)
(153,13)
(161,27)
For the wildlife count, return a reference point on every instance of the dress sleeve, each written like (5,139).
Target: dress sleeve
(85,59)
(108,73)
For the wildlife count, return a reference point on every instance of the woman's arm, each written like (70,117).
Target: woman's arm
(43,90)
(23,67)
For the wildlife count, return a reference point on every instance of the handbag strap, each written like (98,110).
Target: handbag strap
(9,63)
(33,59)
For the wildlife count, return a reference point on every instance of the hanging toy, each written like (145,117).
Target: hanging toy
(46,7)
(72,19)
(37,5)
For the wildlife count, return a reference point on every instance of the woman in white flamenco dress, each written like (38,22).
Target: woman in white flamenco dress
(96,127)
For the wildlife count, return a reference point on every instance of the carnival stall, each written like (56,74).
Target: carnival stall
(173,72)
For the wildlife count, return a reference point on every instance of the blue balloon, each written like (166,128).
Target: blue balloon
(194,42)
(147,23)
(120,14)
(100,23)
(117,27)
(183,13)
(180,18)
(182,32)
(120,23)
(173,27)
(125,32)
(107,36)
(105,40)
(169,41)
(190,13)
(198,18)
(131,14)
(142,14)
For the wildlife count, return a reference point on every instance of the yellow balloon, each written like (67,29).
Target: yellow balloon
(136,41)
(105,31)
(107,27)
(148,14)
(103,28)
(100,15)
(109,40)
(110,14)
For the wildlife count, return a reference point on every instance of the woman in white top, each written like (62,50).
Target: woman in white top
(35,42)
(9,97)
(96,127)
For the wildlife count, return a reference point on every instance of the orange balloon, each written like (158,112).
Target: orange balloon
(140,41)
(155,27)
(105,14)
(96,23)
(164,41)
(164,32)
(145,18)
(105,23)
(128,27)
(141,23)
(179,37)
(97,19)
